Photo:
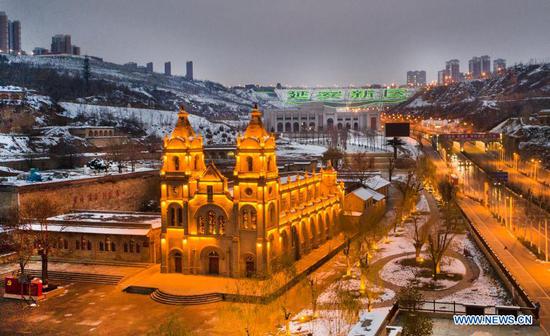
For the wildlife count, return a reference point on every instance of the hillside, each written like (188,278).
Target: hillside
(521,91)
(61,78)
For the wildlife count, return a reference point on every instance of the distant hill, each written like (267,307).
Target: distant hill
(62,79)
(520,92)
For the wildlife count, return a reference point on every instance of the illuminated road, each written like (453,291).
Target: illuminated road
(533,275)
(524,183)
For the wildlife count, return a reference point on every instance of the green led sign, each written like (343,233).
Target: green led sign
(362,94)
(329,95)
(395,94)
(298,95)
(343,95)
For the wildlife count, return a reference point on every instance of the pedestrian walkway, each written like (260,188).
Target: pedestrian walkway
(184,284)
(532,274)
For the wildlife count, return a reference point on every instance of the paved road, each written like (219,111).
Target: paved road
(533,275)
(489,160)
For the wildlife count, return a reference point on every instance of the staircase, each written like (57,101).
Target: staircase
(162,297)
(100,279)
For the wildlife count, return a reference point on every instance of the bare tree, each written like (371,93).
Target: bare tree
(314,291)
(439,240)
(36,217)
(419,235)
(17,238)
(409,189)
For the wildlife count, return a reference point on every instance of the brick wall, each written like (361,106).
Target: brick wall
(115,192)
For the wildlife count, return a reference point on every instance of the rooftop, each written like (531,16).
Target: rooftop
(366,194)
(103,222)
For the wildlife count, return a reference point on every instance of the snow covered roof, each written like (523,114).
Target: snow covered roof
(370,323)
(422,205)
(93,230)
(11,88)
(366,194)
(109,218)
(376,182)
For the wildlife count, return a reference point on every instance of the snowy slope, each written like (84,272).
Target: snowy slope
(523,89)
(152,90)
(154,122)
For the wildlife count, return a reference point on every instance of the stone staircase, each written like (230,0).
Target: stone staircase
(165,298)
(100,279)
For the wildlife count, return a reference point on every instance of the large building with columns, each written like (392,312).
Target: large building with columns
(244,225)
(319,117)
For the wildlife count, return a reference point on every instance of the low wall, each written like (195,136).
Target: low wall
(124,192)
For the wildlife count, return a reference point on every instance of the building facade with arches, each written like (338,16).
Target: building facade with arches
(246,227)
(319,117)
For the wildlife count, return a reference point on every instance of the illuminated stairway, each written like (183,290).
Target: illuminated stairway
(100,279)
(171,299)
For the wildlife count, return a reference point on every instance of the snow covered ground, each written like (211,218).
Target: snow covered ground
(73,174)
(333,322)
(157,122)
(400,275)
(291,149)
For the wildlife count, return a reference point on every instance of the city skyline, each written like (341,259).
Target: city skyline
(236,43)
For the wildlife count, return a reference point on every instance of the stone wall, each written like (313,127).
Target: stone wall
(127,192)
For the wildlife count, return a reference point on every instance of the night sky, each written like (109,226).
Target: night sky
(295,42)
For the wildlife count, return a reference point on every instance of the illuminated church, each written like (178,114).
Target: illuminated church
(243,228)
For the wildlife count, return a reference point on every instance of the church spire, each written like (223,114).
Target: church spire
(183,127)
(255,127)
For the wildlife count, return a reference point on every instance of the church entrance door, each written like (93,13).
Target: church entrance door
(213,263)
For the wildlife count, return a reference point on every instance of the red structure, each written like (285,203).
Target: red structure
(14,289)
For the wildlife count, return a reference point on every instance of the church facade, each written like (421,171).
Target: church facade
(243,228)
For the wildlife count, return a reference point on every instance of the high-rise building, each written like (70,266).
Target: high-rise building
(485,66)
(40,51)
(61,44)
(14,36)
(416,78)
(168,68)
(443,77)
(453,70)
(76,50)
(149,67)
(4,35)
(189,70)
(499,66)
(474,67)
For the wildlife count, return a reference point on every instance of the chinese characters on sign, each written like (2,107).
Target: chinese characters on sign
(389,95)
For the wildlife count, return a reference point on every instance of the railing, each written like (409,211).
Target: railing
(455,308)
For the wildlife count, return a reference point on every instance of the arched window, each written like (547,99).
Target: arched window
(248,218)
(175,215)
(196,162)
(125,247)
(77,245)
(249,163)
(65,244)
(272,215)
(101,246)
(137,248)
(176,163)
(113,247)
(89,243)
(269,163)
